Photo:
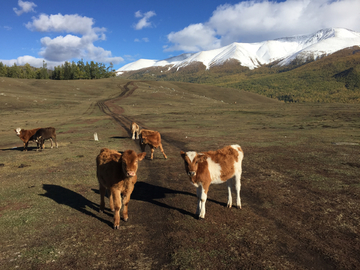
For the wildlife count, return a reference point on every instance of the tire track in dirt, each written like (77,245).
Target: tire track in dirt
(121,119)
(153,210)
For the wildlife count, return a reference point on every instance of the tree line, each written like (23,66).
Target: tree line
(66,71)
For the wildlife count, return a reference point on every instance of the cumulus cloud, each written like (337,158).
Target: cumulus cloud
(62,23)
(195,37)
(254,21)
(25,7)
(77,44)
(144,21)
(32,61)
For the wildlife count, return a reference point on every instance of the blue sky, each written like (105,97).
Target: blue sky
(125,31)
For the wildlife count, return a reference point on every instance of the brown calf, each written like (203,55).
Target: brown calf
(151,138)
(43,134)
(214,167)
(117,173)
(134,129)
(26,136)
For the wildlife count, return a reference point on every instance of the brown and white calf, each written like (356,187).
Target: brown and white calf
(214,167)
(26,136)
(151,138)
(43,134)
(135,130)
(117,173)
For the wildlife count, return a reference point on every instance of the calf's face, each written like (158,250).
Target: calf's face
(192,160)
(130,162)
(17,131)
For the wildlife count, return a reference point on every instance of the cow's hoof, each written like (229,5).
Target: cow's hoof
(116,227)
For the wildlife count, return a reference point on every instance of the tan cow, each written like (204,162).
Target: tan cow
(26,136)
(151,138)
(214,167)
(135,130)
(117,173)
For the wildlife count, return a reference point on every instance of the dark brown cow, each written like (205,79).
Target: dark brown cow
(43,134)
(214,167)
(151,138)
(26,136)
(135,130)
(117,173)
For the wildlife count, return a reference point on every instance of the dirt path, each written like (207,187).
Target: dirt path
(150,210)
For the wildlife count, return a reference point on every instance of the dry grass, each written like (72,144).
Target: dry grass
(300,187)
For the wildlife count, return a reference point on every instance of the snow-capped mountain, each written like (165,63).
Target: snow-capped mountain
(253,55)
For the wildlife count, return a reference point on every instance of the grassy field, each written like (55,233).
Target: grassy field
(300,185)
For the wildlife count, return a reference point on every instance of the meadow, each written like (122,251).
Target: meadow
(300,185)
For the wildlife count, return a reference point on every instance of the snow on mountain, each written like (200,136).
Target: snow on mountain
(253,55)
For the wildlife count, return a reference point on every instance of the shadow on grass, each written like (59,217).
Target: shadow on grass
(72,199)
(19,149)
(119,137)
(150,193)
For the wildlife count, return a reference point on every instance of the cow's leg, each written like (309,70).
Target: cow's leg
(198,194)
(238,187)
(162,150)
(102,191)
(126,200)
(56,144)
(133,135)
(38,145)
(152,152)
(111,202)
(115,193)
(142,146)
(202,195)
(25,146)
(137,135)
(229,183)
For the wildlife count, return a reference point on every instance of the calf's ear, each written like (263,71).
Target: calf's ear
(141,156)
(201,158)
(183,154)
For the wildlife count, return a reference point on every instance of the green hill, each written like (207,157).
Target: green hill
(333,78)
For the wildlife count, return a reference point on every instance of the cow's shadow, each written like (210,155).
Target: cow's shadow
(72,199)
(150,193)
(119,137)
(29,148)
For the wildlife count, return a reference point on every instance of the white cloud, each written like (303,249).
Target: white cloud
(195,37)
(62,23)
(144,21)
(32,61)
(25,7)
(253,21)
(77,44)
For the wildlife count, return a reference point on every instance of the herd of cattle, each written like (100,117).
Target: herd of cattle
(117,172)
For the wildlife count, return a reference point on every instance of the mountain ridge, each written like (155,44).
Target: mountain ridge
(253,55)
